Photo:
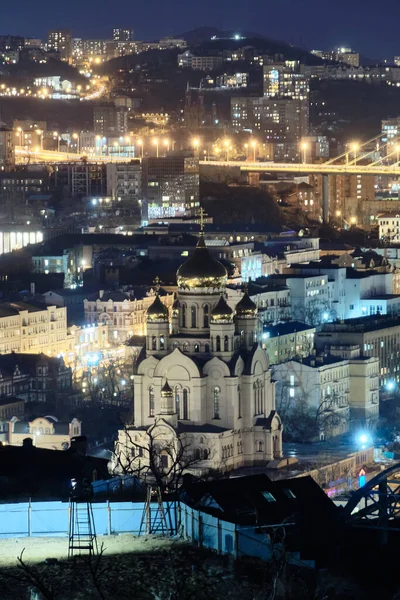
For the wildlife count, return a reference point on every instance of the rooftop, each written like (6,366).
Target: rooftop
(361,324)
(287,328)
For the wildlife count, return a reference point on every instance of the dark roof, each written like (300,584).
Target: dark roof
(255,499)
(320,361)
(245,305)
(114,296)
(10,400)
(286,328)
(27,363)
(206,428)
(222,308)
(361,324)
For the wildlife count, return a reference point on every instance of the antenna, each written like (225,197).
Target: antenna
(157,282)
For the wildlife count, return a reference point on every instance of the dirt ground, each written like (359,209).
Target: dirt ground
(37,549)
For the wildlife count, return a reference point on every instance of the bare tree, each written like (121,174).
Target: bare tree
(154,458)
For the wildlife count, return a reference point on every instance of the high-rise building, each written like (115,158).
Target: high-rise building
(170,185)
(281,121)
(124,181)
(110,121)
(7,149)
(124,35)
(60,40)
(79,179)
(283,80)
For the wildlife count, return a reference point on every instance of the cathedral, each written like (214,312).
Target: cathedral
(203,377)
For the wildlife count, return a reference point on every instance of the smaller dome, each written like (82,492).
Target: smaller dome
(222,312)
(157,311)
(166,390)
(246,308)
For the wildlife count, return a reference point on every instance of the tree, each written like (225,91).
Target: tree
(157,456)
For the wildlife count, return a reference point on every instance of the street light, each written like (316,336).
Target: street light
(304,148)
(355,148)
(57,137)
(40,134)
(226,144)
(166,143)
(195,143)
(254,146)
(140,142)
(76,137)
(247,150)
(155,142)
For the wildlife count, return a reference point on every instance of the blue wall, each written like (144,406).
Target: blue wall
(51,518)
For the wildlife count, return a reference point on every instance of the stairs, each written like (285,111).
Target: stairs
(82,532)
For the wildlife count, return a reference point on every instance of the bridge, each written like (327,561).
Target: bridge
(377,503)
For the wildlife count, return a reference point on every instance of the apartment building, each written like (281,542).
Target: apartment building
(124,181)
(285,341)
(376,336)
(33,328)
(389,228)
(60,40)
(124,316)
(320,386)
(273,301)
(7,149)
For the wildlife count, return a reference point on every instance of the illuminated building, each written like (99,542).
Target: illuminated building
(80,179)
(45,432)
(282,80)
(204,375)
(285,341)
(110,121)
(237,80)
(7,148)
(170,185)
(123,35)
(199,63)
(124,316)
(14,237)
(60,40)
(124,181)
(33,328)
(281,121)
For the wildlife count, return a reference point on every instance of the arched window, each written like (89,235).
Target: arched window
(205,316)
(154,343)
(183,313)
(197,454)
(201,440)
(259,446)
(206,453)
(162,342)
(226,344)
(151,401)
(239,393)
(178,401)
(185,347)
(218,343)
(216,395)
(207,348)
(197,347)
(185,405)
(193,313)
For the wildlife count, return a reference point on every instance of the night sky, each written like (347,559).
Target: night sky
(367,26)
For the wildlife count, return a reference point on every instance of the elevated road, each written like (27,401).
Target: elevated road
(302,168)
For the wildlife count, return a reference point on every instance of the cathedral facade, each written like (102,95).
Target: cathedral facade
(203,377)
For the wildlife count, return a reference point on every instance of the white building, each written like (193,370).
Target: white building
(203,377)
(319,386)
(124,316)
(124,181)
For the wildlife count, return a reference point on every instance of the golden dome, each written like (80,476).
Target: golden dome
(246,308)
(222,312)
(157,311)
(201,270)
(166,390)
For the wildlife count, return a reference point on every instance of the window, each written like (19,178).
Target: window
(259,446)
(183,313)
(205,315)
(154,343)
(193,316)
(151,401)
(162,343)
(239,393)
(226,344)
(268,496)
(216,395)
(197,347)
(206,453)
(207,348)
(288,492)
(197,454)
(178,402)
(291,380)
(218,344)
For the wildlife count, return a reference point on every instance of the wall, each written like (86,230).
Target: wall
(25,519)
